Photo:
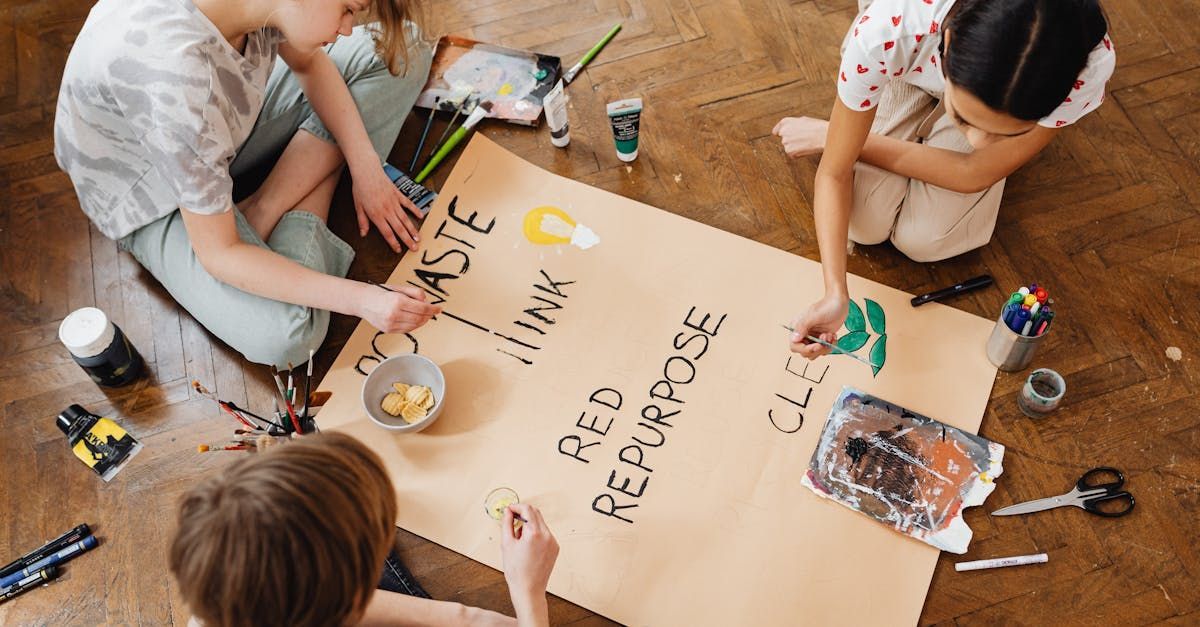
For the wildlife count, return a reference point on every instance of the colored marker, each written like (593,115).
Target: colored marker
(1041,294)
(53,546)
(1024,291)
(1047,318)
(587,58)
(28,583)
(1019,319)
(1030,299)
(958,288)
(1019,560)
(1009,310)
(53,559)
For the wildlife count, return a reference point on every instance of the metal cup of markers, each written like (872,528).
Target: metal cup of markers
(1010,351)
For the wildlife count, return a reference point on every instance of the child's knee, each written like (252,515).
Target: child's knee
(289,339)
(868,229)
(359,55)
(918,246)
(875,200)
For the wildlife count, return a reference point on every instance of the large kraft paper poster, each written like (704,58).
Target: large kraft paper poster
(635,384)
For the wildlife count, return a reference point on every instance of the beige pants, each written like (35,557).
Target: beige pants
(925,222)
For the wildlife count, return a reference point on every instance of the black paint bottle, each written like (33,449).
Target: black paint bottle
(100,347)
(98,442)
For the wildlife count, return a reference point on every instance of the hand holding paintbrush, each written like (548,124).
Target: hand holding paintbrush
(833,348)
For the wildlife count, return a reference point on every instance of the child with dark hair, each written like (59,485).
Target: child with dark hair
(938,102)
(298,535)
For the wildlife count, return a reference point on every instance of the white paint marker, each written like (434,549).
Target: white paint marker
(1001,562)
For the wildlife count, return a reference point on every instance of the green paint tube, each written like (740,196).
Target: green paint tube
(625,116)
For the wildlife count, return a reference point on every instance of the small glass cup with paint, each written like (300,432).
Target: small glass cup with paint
(498,500)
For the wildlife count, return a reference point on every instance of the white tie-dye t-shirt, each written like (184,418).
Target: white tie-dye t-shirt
(153,107)
(898,40)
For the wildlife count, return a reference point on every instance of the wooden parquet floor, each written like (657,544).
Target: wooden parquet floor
(1109,215)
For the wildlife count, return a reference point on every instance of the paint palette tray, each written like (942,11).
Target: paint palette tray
(514,81)
(905,470)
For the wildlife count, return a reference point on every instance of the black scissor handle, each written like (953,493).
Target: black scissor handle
(1086,483)
(1124,497)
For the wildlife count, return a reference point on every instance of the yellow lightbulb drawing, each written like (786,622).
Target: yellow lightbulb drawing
(548,226)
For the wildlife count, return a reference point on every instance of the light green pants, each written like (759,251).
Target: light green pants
(264,330)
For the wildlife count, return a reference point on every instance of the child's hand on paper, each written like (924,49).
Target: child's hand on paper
(395,311)
(378,202)
(822,319)
(802,136)
(528,554)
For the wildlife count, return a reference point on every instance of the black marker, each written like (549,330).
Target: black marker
(49,548)
(944,293)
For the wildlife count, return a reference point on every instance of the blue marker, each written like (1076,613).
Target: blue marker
(1009,309)
(28,583)
(50,560)
(1019,319)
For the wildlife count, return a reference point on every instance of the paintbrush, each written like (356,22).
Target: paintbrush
(837,350)
(424,134)
(291,387)
(208,448)
(462,104)
(286,403)
(578,67)
(478,114)
(307,382)
(229,407)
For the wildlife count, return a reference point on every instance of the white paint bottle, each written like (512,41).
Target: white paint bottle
(555,107)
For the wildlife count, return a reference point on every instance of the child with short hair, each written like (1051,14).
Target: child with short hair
(298,535)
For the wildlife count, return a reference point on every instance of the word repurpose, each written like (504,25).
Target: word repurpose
(630,475)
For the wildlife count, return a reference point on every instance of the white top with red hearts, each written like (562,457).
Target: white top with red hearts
(898,40)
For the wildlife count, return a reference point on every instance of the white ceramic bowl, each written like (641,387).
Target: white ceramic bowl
(409,368)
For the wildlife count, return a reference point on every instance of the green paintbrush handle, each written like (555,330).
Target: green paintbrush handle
(587,58)
(442,152)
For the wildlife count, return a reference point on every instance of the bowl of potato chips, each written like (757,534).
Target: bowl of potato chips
(404,393)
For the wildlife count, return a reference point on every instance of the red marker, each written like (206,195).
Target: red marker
(1042,295)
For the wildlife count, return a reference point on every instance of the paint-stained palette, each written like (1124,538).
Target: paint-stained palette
(903,469)
(514,81)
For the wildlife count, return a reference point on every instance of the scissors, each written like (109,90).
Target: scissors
(1087,494)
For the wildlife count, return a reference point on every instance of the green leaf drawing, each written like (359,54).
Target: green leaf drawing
(878,354)
(875,315)
(853,341)
(854,319)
